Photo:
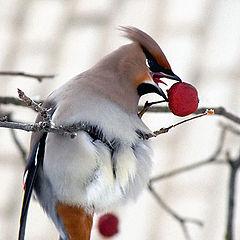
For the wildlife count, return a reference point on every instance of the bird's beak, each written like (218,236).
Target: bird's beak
(151,86)
(156,76)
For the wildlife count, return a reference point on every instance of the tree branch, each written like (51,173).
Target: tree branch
(165,130)
(19,145)
(39,77)
(194,165)
(48,126)
(234,167)
(36,106)
(42,126)
(181,220)
(12,100)
(217,110)
(142,109)
(230,128)
(147,106)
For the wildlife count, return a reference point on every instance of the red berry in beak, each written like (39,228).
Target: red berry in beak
(183,99)
(108,225)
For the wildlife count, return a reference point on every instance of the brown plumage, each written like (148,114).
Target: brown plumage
(77,222)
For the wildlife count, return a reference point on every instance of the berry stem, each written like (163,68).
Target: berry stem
(147,105)
(165,130)
(189,119)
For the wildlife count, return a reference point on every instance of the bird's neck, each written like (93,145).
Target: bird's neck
(115,88)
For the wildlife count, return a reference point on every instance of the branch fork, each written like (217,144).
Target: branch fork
(36,106)
(147,106)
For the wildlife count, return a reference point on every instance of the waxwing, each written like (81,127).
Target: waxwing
(108,162)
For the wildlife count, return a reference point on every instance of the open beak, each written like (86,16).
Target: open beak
(156,76)
(152,86)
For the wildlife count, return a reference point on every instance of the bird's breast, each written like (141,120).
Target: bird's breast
(97,169)
(89,173)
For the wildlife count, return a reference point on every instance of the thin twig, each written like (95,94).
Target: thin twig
(230,128)
(4,118)
(217,110)
(36,106)
(14,101)
(182,220)
(194,165)
(223,112)
(19,145)
(39,77)
(165,130)
(146,107)
(234,167)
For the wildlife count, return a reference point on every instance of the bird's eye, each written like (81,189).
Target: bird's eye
(147,64)
(150,63)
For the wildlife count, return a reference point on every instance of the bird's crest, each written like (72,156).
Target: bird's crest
(147,43)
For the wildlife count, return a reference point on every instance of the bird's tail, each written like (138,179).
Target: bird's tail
(77,222)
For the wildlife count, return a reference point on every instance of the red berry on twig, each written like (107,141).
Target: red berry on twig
(183,99)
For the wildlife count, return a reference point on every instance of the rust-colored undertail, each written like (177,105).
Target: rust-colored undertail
(77,222)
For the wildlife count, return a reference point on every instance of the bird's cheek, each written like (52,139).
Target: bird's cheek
(141,78)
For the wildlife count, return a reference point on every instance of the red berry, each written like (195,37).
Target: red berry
(183,99)
(108,225)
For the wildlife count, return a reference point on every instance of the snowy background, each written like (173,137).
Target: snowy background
(201,39)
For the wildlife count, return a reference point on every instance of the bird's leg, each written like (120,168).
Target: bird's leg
(77,221)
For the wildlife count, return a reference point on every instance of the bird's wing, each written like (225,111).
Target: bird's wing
(35,160)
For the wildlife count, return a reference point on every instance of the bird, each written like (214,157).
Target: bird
(109,161)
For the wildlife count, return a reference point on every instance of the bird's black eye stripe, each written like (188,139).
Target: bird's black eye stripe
(153,64)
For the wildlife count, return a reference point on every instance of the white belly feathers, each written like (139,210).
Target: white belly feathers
(90,173)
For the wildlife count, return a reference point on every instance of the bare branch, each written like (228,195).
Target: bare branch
(41,126)
(230,128)
(181,220)
(196,164)
(234,167)
(21,126)
(70,130)
(217,110)
(39,77)
(165,130)
(223,112)
(12,100)
(147,106)
(3,118)
(19,145)
(143,109)
(43,111)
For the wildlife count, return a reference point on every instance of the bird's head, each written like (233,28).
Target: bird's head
(147,63)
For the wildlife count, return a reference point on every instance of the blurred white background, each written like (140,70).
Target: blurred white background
(201,39)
